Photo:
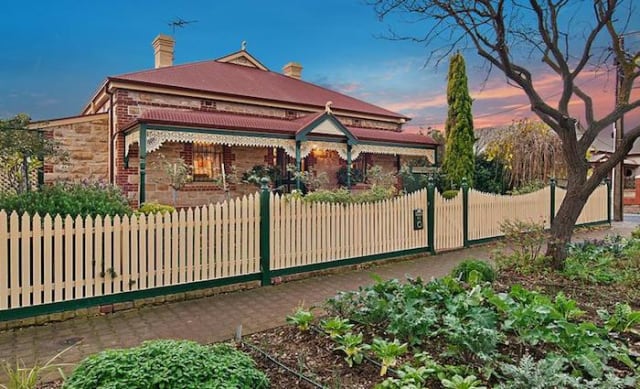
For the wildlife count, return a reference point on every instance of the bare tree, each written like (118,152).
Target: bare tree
(509,34)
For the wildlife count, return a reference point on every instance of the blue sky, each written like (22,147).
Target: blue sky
(57,53)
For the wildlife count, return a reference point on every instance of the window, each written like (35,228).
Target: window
(361,164)
(207,161)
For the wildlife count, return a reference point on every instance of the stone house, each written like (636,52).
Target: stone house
(223,115)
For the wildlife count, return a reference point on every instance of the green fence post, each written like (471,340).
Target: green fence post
(608,182)
(431,213)
(552,214)
(265,231)
(465,212)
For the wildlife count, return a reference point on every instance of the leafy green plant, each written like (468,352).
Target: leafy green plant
(301,318)
(66,198)
(409,377)
(22,377)
(459,382)
(336,327)
(153,207)
(623,318)
(549,372)
(352,347)
(168,364)
(258,172)
(473,335)
(388,352)
(464,268)
(600,261)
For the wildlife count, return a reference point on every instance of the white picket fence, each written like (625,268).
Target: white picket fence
(45,260)
(310,233)
(53,259)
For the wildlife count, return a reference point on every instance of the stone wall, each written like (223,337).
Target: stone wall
(87,147)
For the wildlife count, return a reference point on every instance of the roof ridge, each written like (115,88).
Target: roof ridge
(185,65)
(393,114)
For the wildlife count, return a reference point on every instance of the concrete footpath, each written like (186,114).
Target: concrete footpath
(215,318)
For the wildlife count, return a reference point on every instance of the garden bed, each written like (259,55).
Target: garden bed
(533,326)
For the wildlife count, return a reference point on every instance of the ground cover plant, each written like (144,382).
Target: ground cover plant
(168,364)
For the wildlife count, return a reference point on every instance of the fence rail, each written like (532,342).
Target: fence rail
(45,261)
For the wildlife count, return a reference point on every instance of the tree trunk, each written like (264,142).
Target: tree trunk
(25,174)
(563,224)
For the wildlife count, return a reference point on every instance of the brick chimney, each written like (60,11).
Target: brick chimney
(163,50)
(293,70)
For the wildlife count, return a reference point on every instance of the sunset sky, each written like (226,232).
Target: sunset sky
(57,53)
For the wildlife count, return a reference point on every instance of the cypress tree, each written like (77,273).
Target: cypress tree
(459,159)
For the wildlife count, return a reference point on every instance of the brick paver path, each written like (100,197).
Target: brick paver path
(215,318)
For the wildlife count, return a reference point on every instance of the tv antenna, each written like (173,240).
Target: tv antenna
(179,23)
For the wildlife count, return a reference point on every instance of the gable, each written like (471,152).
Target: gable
(324,124)
(244,59)
(327,127)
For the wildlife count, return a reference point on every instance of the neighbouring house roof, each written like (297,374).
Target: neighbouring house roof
(245,81)
(43,124)
(227,121)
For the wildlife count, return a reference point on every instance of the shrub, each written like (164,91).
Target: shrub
(525,239)
(410,181)
(257,172)
(449,194)
(379,177)
(168,364)
(529,187)
(344,196)
(489,175)
(356,176)
(154,207)
(464,268)
(78,198)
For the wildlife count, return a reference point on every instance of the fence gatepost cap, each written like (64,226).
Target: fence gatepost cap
(264,183)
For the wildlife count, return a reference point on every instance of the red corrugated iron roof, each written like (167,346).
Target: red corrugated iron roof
(243,81)
(267,125)
(391,136)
